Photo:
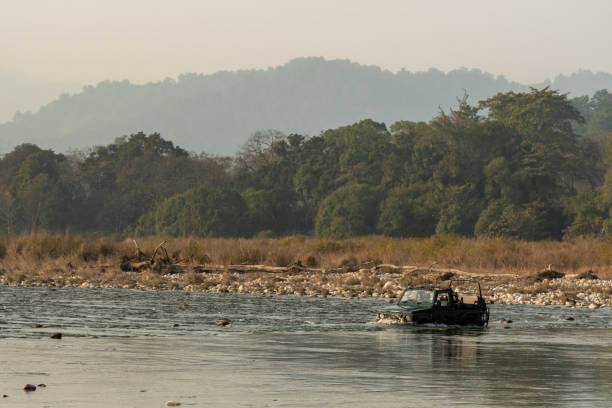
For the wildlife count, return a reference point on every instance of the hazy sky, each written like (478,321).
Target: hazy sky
(86,41)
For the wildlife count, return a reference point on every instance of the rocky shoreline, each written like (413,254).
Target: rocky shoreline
(591,293)
(383,281)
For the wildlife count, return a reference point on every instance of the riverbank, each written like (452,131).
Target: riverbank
(571,291)
(577,273)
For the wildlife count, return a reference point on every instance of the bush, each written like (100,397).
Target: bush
(406,213)
(586,215)
(205,212)
(462,212)
(534,221)
(347,212)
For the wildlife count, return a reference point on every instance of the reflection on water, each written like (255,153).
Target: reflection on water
(120,348)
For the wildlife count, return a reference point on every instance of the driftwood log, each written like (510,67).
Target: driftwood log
(161,262)
(140,261)
(181,267)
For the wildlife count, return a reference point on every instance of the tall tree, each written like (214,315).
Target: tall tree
(544,165)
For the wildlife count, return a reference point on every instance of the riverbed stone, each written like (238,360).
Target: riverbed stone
(389,285)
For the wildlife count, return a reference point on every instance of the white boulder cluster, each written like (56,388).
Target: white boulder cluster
(567,291)
(591,293)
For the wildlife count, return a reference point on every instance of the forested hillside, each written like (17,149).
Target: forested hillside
(217,113)
(19,92)
(521,165)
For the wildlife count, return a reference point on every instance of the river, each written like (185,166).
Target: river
(130,348)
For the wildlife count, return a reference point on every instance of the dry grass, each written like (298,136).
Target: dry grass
(346,265)
(60,254)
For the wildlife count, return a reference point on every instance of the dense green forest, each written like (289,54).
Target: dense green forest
(528,165)
(216,113)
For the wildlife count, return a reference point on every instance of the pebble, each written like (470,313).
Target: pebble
(224,323)
(172,404)
(28,387)
(593,306)
(42,385)
(56,336)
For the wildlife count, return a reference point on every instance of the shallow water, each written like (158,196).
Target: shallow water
(120,349)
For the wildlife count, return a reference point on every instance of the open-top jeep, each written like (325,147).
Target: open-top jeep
(443,306)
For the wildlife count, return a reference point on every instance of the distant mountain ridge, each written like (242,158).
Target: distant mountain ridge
(216,113)
(22,93)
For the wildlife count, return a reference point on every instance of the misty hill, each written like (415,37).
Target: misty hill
(216,113)
(23,93)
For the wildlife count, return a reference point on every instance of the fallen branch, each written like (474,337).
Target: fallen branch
(139,253)
(165,265)
(166,259)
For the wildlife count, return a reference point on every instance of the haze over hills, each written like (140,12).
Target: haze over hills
(217,113)
(22,93)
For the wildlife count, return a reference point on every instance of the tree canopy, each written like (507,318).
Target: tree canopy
(519,164)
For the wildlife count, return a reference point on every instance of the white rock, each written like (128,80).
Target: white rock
(593,306)
(389,285)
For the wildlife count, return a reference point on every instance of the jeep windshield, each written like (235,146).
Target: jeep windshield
(416,298)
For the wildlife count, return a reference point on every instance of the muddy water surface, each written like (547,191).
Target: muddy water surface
(123,348)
